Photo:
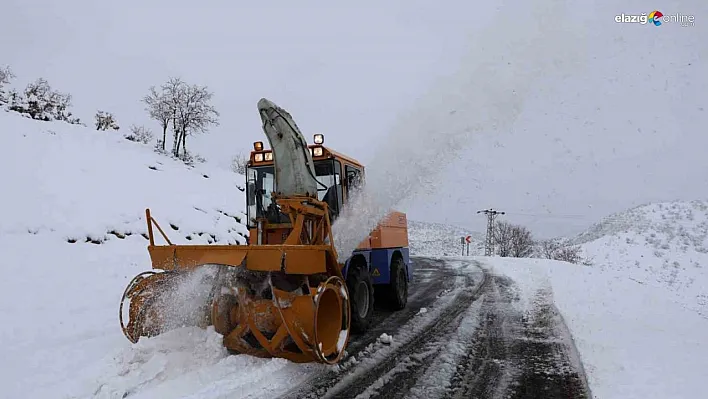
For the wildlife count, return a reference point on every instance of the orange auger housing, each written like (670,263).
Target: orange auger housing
(302,314)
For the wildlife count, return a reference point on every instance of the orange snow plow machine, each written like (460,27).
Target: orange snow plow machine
(285,294)
(303,317)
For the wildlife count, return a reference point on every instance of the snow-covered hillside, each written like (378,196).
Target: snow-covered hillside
(660,244)
(72,235)
(77,184)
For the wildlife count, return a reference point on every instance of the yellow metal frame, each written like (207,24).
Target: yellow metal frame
(314,320)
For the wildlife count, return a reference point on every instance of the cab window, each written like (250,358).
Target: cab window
(353,178)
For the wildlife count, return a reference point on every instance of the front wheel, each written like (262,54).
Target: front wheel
(361,296)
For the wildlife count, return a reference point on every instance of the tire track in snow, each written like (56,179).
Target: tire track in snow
(548,356)
(435,279)
(519,355)
(476,341)
(421,341)
(486,369)
(441,287)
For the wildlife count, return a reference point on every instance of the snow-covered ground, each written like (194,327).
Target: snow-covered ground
(70,182)
(664,245)
(72,236)
(639,314)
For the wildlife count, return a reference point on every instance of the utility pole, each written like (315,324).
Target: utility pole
(489,243)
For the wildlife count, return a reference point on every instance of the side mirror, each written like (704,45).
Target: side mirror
(251,197)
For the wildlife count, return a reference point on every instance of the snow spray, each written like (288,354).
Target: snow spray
(185,300)
(485,96)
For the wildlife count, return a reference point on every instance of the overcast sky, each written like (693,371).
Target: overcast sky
(627,127)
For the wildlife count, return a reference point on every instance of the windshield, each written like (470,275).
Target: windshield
(260,184)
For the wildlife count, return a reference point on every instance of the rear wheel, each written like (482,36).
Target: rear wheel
(396,292)
(361,296)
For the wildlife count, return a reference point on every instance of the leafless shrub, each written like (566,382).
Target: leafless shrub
(105,121)
(139,134)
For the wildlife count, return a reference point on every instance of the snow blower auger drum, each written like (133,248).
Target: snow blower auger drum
(287,300)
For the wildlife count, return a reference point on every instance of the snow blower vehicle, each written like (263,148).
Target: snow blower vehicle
(284,294)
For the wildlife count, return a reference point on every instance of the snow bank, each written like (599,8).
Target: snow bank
(187,363)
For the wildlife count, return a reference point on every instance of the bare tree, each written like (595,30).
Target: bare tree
(139,134)
(6,76)
(160,108)
(186,106)
(239,163)
(522,243)
(502,238)
(105,121)
(173,91)
(193,114)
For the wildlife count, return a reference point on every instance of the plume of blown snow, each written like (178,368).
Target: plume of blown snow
(485,95)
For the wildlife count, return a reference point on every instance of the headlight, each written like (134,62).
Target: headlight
(268,156)
(319,139)
(258,157)
(318,151)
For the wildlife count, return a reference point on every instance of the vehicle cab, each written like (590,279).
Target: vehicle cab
(340,174)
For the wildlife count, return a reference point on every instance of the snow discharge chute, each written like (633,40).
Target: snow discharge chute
(286,300)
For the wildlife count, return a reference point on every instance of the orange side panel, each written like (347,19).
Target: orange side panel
(390,233)
(171,257)
(299,259)
(366,244)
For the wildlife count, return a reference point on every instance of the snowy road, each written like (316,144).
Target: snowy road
(461,336)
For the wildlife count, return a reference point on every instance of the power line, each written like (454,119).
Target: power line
(489,242)
(550,215)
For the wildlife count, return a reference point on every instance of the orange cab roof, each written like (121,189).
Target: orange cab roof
(327,151)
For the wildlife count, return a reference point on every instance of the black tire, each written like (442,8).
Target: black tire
(396,292)
(361,296)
